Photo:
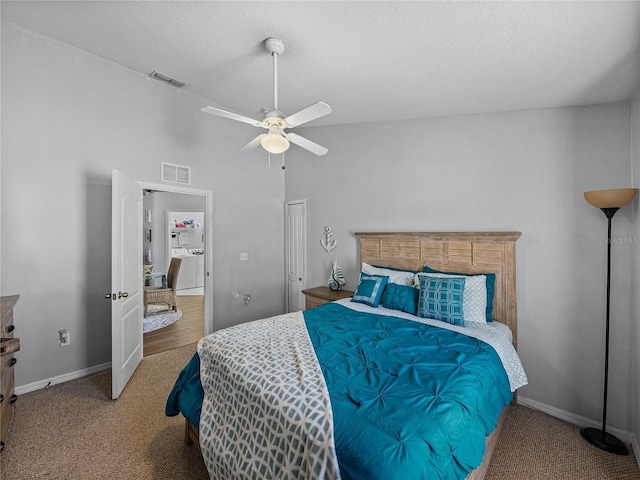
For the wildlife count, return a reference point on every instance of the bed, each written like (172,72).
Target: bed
(350,419)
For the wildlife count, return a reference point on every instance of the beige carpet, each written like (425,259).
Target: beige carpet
(535,446)
(74,431)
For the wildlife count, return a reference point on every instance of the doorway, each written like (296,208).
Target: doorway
(192,304)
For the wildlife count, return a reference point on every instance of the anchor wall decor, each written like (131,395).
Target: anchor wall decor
(327,242)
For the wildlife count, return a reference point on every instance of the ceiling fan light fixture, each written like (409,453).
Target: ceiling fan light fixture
(274,142)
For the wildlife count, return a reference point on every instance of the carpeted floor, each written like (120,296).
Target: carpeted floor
(535,446)
(74,431)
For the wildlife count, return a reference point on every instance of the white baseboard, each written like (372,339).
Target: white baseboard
(32,387)
(576,420)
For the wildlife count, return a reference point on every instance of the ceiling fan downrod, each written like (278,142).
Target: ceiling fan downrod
(275,47)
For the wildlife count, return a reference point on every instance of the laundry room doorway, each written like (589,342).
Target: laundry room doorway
(186,237)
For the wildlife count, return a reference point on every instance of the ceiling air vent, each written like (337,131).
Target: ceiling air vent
(176,173)
(167,79)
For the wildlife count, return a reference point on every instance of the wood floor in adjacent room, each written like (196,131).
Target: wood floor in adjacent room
(187,330)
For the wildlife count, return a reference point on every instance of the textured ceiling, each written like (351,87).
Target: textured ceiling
(371,61)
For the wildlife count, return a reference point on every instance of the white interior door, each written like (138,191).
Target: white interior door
(126,280)
(296,247)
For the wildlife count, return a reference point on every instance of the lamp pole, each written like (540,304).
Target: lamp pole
(600,438)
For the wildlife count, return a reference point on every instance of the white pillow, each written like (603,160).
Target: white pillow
(400,277)
(474,297)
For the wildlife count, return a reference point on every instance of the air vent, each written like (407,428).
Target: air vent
(176,173)
(167,79)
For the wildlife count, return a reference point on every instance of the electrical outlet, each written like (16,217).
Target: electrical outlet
(244,256)
(65,338)
(247,298)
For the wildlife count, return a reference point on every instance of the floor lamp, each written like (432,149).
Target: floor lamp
(609,201)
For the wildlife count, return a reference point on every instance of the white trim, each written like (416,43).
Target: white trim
(40,384)
(576,420)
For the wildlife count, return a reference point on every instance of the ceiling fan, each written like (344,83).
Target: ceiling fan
(277,140)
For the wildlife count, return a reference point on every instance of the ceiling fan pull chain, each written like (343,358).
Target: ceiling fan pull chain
(269,159)
(283,160)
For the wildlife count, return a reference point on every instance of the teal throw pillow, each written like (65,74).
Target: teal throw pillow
(491,282)
(442,299)
(401,297)
(370,289)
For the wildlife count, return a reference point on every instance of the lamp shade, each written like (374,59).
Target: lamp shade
(612,198)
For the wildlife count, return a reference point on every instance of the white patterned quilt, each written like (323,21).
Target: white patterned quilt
(266,412)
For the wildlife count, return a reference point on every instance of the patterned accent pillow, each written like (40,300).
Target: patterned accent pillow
(401,297)
(475,295)
(400,277)
(370,289)
(491,282)
(442,299)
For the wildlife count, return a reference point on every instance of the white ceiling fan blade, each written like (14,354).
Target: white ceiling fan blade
(253,143)
(306,144)
(317,110)
(231,115)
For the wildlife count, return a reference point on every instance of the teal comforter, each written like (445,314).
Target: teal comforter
(410,401)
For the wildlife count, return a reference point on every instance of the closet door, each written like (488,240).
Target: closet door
(296,241)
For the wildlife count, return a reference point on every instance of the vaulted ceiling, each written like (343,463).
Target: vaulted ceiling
(371,61)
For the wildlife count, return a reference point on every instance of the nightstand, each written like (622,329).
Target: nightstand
(314,297)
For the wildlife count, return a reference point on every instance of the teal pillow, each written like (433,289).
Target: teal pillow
(491,281)
(370,289)
(401,297)
(442,299)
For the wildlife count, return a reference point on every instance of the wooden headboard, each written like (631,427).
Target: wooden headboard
(464,252)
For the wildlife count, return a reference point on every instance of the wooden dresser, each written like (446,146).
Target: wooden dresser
(314,297)
(8,345)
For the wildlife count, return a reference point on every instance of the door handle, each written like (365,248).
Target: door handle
(113,296)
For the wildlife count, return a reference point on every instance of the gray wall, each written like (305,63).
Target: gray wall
(635,162)
(523,171)
(68,119)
